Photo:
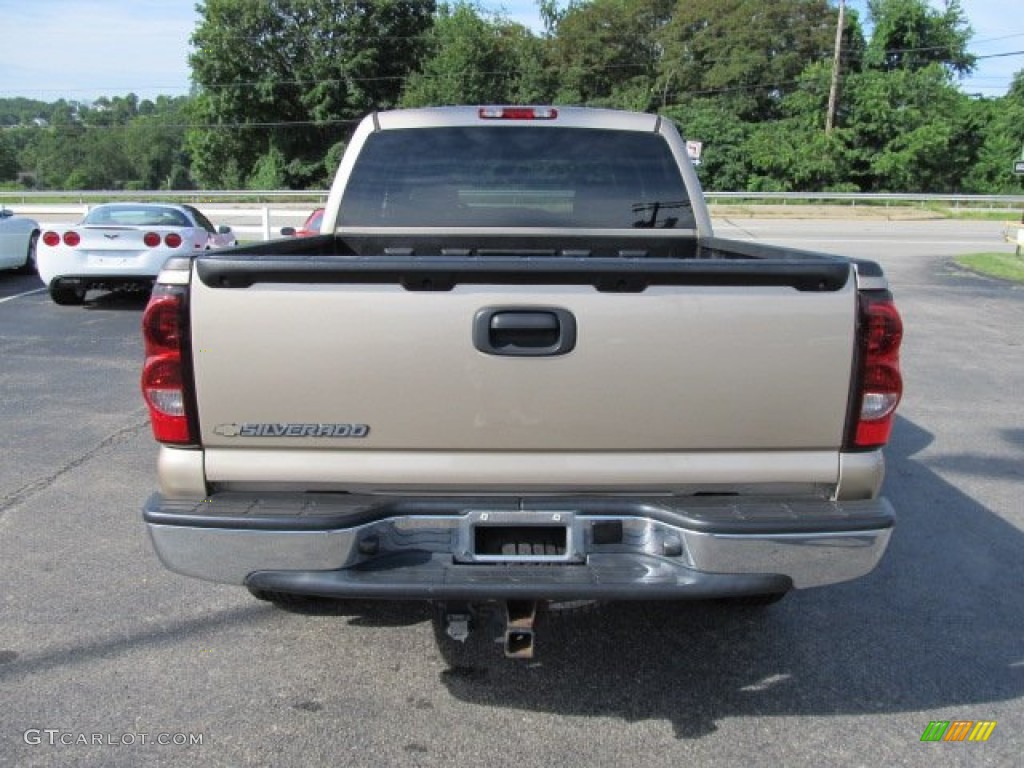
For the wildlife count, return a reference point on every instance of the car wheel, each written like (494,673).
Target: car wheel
(68,297)
(29,267)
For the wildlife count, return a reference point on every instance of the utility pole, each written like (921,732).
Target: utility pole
(833,92)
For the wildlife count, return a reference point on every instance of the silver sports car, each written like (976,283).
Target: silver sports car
(122,245)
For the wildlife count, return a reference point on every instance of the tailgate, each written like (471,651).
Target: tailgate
(346,358)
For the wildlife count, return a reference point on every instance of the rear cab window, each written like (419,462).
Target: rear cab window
(522,176)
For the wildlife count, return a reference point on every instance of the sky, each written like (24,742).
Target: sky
(79,50)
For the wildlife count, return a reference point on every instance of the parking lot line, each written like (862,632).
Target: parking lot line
(19,295)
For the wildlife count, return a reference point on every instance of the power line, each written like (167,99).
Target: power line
(995,39)
(1000,55)
(847,57)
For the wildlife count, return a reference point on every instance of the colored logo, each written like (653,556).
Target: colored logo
(958,730)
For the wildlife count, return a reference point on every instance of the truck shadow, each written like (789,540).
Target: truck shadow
(117,300)
(938,624)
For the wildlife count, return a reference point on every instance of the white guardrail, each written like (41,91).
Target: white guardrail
(953,202)
(269,211)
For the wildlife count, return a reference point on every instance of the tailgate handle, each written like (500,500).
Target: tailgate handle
(524,331)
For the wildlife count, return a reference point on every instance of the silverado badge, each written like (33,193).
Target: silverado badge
(291,430)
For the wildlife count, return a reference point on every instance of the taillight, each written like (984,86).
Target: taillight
(52,239)
(517,113)
(879,383)
(172,240)
(151,239)
(163,376)
(72,239)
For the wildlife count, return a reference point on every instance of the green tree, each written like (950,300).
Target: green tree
(119,110)
(465,63)
(1016,91)
(786,156)
(295,75)
(476,60)
(21,111)
(9,166)
(724,166)
(1002,141)
(535,81)
(55,152)
(269,171)
(93,159)
(606,52)
(911,34)
(153,143)
(333,158)
(749,53)
(130,151)
(912,131)
(794,153)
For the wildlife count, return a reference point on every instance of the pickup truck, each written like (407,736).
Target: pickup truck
(516,367)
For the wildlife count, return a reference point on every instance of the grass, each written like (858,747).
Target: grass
(862,209)
(1005,266)
(983,215)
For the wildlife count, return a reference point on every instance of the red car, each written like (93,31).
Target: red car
(309,228)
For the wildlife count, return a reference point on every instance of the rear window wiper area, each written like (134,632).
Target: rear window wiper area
(649,215)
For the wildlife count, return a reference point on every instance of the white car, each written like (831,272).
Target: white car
(122,246)
(18,237)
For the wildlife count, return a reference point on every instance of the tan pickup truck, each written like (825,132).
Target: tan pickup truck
(516,366)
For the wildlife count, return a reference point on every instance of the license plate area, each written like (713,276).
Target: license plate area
(106,260)
(519,537)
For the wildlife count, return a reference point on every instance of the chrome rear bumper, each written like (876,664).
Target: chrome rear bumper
(604,547)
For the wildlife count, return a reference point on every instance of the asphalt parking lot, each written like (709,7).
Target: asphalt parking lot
(104,655)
